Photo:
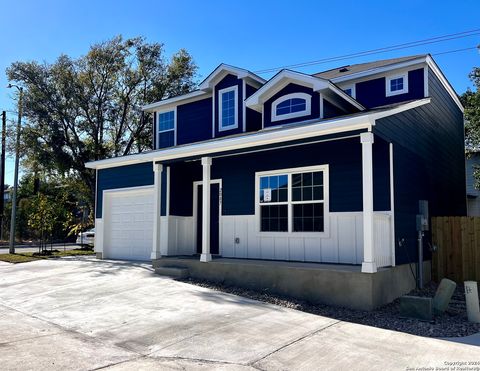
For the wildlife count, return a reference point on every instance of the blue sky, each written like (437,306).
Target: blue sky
(251,34)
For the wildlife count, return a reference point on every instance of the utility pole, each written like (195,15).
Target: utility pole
(15,179)
(2,172)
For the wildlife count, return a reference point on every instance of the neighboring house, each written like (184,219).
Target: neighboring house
(473,193)
(7,194)
(324,168)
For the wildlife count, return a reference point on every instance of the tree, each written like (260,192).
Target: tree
(85,109)
(48,207)
(471,102)
(42,218)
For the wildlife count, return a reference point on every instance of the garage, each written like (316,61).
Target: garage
(128,224)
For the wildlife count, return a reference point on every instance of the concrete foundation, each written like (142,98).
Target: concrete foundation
(339,285)
(99,255)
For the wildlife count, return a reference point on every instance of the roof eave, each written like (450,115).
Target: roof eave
(318,128)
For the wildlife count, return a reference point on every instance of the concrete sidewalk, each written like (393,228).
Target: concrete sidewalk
(79,313)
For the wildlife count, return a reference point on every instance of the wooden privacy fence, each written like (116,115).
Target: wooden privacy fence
(457,239)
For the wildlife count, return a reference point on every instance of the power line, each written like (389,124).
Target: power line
(411,44)
(458,50)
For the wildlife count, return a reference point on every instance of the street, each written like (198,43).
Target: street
(29,248)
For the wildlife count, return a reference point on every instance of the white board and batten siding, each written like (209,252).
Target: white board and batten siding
(343,244)
(180,235)
(382,239)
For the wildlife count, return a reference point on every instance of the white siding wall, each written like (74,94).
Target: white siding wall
(344,243)
(180,235)
(382,239)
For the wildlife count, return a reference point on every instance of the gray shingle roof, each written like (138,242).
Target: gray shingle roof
(354,68)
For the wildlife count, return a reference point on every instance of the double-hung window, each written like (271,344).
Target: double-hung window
(293,200)
(274,203)
(397,84)
(166,129)
(228,118)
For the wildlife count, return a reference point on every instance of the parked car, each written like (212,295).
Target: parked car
(86,238)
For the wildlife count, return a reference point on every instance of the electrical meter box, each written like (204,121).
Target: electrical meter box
(422,218)
(422,223)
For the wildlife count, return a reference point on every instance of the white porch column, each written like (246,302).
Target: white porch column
(368,265)
(164,220)
(206,164)
(157,208)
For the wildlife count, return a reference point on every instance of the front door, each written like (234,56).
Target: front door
(214,218)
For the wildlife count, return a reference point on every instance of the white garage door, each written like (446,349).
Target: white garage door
(128,224)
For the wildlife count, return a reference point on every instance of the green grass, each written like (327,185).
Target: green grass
(17,258)
(30,256)
(74,252)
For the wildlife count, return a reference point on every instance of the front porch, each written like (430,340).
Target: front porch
(358,225)
(334,284)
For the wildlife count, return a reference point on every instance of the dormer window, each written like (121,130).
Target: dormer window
(228,118)
(350,90)
(397,84)
(290,106)
(166,129)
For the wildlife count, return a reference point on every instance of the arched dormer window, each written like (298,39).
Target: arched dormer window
(290,106)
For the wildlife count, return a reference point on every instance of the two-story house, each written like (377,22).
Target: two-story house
(323,168)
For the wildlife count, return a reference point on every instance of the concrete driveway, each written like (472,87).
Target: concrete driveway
(80,313)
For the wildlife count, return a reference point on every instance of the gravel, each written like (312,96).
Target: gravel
(452,323)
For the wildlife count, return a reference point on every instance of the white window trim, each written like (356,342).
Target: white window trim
(235,115)
(351,87)
(306,112)
(158,131)
(290,203)
(390,93)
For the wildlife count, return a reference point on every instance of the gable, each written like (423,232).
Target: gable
(269,108)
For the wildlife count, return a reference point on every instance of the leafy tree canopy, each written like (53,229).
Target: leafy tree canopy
(89,108)
(471,101)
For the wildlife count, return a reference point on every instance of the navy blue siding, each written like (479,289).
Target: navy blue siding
(345,165)
(429,162)
(194,121)
(154,130)
(330,110)
(122,177)
(182,176)
(163,205)
(372,93)
(228,81)
(254,118)
(291,88)
(345,168)
(381,175)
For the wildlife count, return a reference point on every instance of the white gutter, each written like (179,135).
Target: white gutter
(185,98)
(271,136)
